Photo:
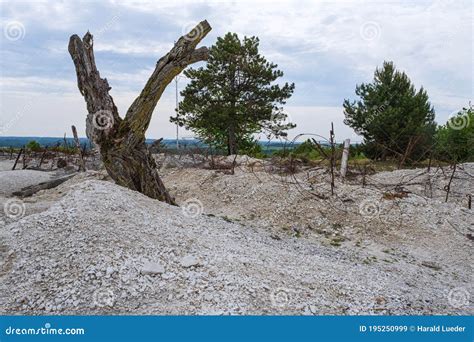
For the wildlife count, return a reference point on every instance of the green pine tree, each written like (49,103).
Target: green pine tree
(455,139)
(234,96)
(394,119)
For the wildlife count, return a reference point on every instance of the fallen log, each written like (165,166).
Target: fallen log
(33,189)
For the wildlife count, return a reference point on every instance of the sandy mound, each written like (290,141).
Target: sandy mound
(301,204)
(103,249)
(431,184)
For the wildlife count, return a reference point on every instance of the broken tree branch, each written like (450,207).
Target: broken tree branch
(180,56)
(103,118)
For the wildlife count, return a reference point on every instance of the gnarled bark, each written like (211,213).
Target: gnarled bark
(122,141)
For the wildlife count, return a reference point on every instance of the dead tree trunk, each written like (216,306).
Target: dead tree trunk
(121,141)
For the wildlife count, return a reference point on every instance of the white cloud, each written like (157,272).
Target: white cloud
(134,47)
(41,85)
(55,15)
(321,46)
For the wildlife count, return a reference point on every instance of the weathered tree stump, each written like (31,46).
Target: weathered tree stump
(122,141)
(345,157)
(82,164)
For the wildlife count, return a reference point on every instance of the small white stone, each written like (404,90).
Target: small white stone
(152,268)
(189,261)
(208,297)
(169,275)
(109,271)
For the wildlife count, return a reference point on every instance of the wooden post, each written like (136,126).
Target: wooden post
(24,159)
(17,158)
(447,188)
(364,170)
(469,201)
(42,157)
(333,157)
(82,165)
(345,157)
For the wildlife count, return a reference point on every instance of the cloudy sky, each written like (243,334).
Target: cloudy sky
(324,47)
